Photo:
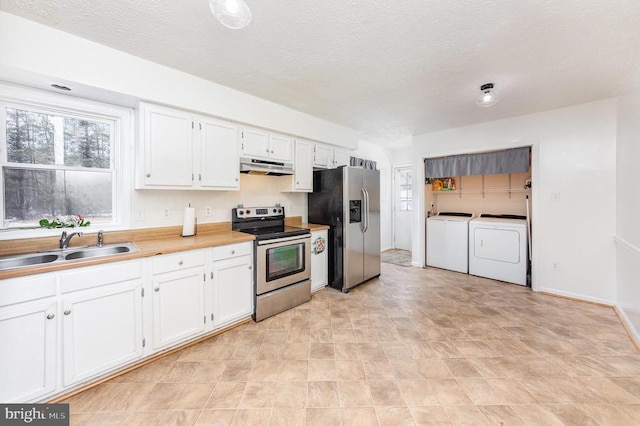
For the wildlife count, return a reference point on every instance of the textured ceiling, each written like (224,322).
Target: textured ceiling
(386,68)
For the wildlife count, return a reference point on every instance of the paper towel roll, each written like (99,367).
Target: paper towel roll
(189,222)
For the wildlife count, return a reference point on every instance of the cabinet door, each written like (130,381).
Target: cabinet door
(102,329)
(280,148)
(303,175)
(28,351)
(322,156)
(232,289)
(178,306)
(255,143)
(167,138)
(319,260)
(219,155)
(341,157)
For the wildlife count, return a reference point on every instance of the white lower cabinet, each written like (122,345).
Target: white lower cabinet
(232,284)
(101,319)
(178,298)
(63,329)
(319,260)
(28,350)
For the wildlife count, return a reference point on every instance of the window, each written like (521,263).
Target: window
(406,194)
(59,159)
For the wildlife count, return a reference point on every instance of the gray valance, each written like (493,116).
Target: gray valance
(487,163)
(365,164)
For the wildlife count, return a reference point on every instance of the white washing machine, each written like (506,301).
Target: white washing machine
(448,241)
(498,249)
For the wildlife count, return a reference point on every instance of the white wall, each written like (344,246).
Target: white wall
(148,205)
(628,210)
(34,54)
(373,152)
(574,157)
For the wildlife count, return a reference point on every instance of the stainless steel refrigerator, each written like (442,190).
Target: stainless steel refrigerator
(348,200)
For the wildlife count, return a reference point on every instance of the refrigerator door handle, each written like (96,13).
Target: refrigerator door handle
(365,193)
(363,211)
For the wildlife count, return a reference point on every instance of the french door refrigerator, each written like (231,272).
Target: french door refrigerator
(348,200)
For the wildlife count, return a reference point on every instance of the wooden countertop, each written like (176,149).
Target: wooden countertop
(150,242)
(147,247)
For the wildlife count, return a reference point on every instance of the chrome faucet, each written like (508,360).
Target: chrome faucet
(64,239)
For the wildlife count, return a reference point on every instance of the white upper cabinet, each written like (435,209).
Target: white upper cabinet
(280,147)
(219,162)
(168,148)
(181,150)
(329,157)
(341,157)
(302,179)
(257,143)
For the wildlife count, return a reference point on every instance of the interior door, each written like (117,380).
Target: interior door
(402,207)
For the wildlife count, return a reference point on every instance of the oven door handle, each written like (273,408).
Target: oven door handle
(284,239)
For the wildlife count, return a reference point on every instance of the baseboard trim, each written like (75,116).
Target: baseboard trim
(628,326)
(578,298)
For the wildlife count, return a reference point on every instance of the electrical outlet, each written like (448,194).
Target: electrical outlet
(207,211)
(166,213)
(555,266)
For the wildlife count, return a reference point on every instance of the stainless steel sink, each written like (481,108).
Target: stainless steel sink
(106,250)
(26,260)
(60,256)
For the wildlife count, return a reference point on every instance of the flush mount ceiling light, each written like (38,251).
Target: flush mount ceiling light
(234,14)
(488,96)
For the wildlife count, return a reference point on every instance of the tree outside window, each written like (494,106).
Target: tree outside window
(56,164)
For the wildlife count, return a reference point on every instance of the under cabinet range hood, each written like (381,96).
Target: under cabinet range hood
(265,167)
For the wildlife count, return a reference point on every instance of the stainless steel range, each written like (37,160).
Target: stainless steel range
(282,259)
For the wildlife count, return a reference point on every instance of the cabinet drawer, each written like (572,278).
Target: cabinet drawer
(232,250)
(23,289)
(178,261)
(96,276)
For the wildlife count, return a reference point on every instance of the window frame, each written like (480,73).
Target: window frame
(122,131)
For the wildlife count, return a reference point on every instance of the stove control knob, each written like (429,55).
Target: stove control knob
(279,210)
(247,212)
(240,212)
(274,210)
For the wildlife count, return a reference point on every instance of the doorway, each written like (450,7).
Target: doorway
(402,207)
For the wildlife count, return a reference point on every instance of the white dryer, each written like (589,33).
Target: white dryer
(448,241)
(498,249)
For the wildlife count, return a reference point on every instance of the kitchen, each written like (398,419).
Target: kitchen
(592,267)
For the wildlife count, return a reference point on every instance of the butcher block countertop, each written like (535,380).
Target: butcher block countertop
(150,242)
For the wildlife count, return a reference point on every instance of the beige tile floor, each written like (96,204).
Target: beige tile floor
(417,346)
(397,257)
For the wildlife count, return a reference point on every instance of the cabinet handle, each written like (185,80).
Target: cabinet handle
(180,263)
(233,252)
(199,176)
(250,267)
(297,183)
(212,278)
(267,150)
(148,174)
(67,312)
(51,316)
(236,179)
(156,289)
(272,151)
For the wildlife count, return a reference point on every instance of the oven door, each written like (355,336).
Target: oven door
(282,261)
